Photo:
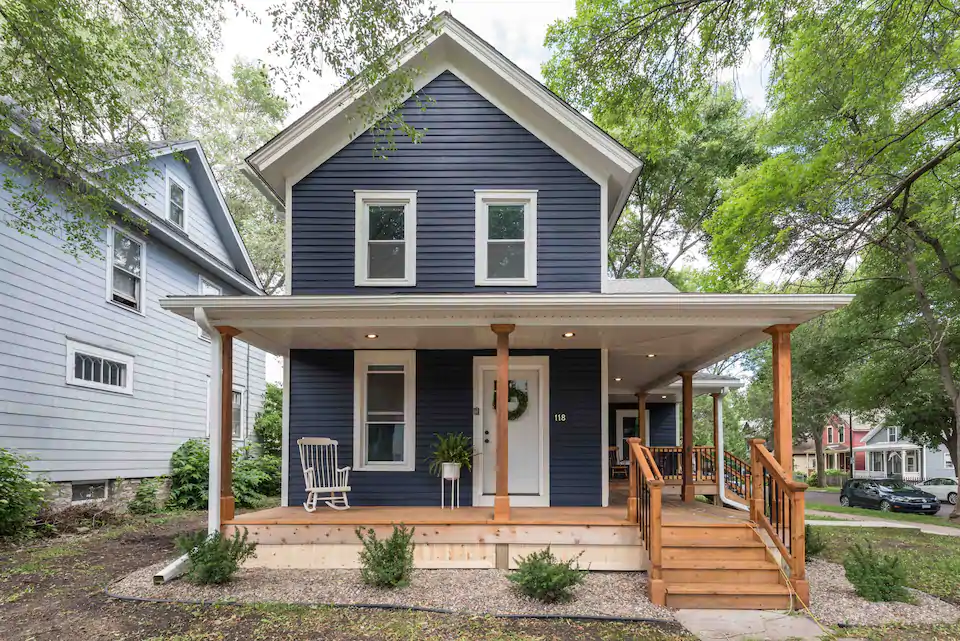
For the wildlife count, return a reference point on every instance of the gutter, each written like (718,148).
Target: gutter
(721,481)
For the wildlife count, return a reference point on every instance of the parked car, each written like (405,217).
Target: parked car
(888,495)
(944,489)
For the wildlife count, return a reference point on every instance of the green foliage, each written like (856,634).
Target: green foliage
(814,543)
(268,425)
(21,496)
(270,468)
(214,559)
(248,478)
(453,447)
(541,576)
(876,576)
(386,563)
(190,476)
(145,500)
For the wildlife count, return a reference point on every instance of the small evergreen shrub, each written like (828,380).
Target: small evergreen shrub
(214,559)
(21,496)
(814,543)
(386,563)
(190,476)
(270,466)
(268,426)
(541,576)
(145,500)
(876,576)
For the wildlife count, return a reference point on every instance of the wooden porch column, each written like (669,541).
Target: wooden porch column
(227,502)
(688,491)
(501,502)
(782,395)
(717,445)
(642,417)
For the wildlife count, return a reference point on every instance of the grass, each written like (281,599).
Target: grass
(817,517)
(889,516)
(932,561)
(941,632)
(829,488)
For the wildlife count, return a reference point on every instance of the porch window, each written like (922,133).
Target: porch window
(386,242)
(876,462)
(384,429)
(506,237)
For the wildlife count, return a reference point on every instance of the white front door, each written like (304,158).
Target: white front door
(527,429)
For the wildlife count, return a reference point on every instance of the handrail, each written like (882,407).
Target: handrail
(671,460)
(777,505)
(644,507)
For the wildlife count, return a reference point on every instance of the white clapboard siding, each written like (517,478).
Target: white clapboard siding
(82,434)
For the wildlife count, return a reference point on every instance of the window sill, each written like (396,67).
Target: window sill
(385,282)
(400,467)
(100,388)
(506,282)
(124,307)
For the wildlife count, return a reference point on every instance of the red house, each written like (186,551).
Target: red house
(837,436)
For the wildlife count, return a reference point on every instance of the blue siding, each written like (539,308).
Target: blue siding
(469,144)
(321,404)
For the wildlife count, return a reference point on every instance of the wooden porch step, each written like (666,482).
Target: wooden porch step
(714,551)
(733,596)
(711,532)
(678,571)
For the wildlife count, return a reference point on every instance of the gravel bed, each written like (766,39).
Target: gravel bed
(620,594)
(835,601)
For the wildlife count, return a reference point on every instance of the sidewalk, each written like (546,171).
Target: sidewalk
(855,520)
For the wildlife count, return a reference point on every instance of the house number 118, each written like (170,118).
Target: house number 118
(560,418)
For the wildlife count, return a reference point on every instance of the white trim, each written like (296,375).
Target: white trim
(527,198)
(540,364)
(243,414)
(679,416)
(288,239)
(605,426)
(408,359)
(363,200)
(604,239)
(75,346)
(112,230)
(830,434)
(213,421)
(209,283)
(285,436)
(170,178)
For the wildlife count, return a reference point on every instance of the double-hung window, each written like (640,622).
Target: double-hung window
(893,434)
(829,434)
(97,368)
(876,462)
(236,414)
(386,238)
(176,209)
(384,433)
(125,270)
(841,433)
(506,238)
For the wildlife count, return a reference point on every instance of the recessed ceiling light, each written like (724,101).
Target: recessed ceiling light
(651,355)
(618,379)
(664,396)
(568,334)
(371,335)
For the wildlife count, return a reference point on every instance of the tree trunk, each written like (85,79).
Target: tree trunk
(940,353)
(821,463)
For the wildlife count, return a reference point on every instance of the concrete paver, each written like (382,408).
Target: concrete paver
(743,625)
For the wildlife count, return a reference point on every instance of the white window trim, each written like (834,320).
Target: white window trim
(841,433)
(74,346)
(361,359)
(243,414)
(947,461)
(141,309)
(528,198)
(365,198)
(896,431)
(829,434)
(200,333)
(169,177)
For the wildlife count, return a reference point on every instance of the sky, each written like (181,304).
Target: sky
(515,27)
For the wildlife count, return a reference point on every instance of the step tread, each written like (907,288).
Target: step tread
(732,589)
(687,564)
(711,543)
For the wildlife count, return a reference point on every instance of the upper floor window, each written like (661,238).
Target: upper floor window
(386,242)
(125,270)
(89,366)
(176,201)
(506,237)
(893,434)
(841,433)
(829,434)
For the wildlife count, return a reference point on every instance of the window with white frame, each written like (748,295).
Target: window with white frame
(236,414)
(97,368)
(506,237)
(841,433)
(386,238)
(384,433)
(876,462)
(893,434)
(89,492)
(910,462)
(829,434)
(125,270)
(176,201)
(207,288)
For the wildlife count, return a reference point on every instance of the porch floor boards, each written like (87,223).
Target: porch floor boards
(674,512)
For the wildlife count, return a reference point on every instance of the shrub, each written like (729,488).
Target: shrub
(21,496)
(268,426)
(542,576)
(270,465)
(145,500)
(386,563)
(814,543)
(876,576)
(190,476)
(214,559)
(247,478)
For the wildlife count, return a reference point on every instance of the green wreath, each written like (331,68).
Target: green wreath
(515,394)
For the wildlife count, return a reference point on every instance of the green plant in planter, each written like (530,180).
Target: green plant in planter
(451,448)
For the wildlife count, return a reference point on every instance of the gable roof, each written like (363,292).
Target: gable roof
(447,45)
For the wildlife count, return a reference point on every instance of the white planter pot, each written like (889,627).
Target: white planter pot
(451,471)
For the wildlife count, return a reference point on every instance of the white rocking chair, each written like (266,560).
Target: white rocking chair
(324,479)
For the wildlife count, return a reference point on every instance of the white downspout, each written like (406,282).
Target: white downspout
(721,482)
(213,499)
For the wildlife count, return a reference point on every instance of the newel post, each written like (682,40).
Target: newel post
(227,501)
(501,502)
(633,478)
(642,417)
(756,480)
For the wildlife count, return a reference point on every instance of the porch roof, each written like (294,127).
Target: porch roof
(887,447)
(649,337)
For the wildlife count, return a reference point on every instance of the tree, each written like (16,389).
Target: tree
(268,426)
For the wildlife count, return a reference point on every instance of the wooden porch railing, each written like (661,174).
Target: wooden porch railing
(777,506)
(737,476)
(670,462)
(645,508)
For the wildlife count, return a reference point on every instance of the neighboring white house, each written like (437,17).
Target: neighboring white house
(888,454)
(97,382)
